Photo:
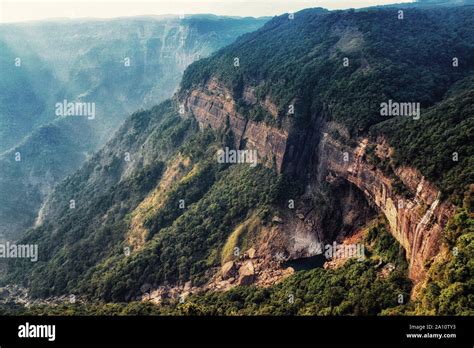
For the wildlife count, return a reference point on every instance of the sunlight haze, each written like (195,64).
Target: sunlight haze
(20,11)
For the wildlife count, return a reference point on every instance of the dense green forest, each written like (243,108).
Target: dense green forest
(353,289)
(190,246)
(99,188)
(450,286)
(301,61)
(440,144)
(184,243)
(179,205)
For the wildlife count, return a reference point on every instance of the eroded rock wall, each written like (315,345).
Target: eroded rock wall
(213,106)
(416,222)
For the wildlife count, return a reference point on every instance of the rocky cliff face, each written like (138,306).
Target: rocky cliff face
(213,106)
(416,220)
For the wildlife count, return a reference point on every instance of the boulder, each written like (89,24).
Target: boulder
(246,273)
(251,252)
(187,286)
(228,270)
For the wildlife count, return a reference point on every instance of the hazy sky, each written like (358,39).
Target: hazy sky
(25,10)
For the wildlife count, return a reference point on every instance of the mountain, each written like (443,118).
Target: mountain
(309,94)
(118,65)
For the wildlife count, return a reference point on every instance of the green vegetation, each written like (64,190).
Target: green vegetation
(440,144)
(296,62)
(71,241)
(385,247)
(386,166)
(81,309)
(449,288)
(301,61)
(241,237)
(356,288)
(47,155)
(183,242)
(184,250)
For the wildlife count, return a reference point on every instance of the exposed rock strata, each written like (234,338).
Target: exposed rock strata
(213,106)
(416,222)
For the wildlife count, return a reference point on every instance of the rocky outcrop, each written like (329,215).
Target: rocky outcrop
(228,270)
(213,106)
(246,273)
(416,221)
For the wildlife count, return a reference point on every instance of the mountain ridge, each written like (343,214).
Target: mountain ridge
(337,191)
(86,63)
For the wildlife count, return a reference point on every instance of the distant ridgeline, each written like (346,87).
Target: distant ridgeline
(156,215)
(66,87)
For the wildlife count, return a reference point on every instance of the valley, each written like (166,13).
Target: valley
(161,226)
(101,70)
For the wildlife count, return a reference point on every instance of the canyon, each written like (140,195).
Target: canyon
(158,214)
(416,222)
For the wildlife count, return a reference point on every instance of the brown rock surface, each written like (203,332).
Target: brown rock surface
(416,222)
(211,108)
(251,252)
(246,273)
(228,270)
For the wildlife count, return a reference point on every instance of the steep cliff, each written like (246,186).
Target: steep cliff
(333,73)
(214,106)
(181,216)
(417,221)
